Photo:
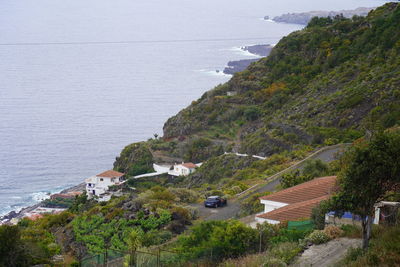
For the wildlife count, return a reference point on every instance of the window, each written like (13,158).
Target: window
(101,179)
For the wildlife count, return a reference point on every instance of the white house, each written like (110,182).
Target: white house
(295,202)
(183,169)
(98,184)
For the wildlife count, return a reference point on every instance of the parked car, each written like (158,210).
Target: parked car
(215,201)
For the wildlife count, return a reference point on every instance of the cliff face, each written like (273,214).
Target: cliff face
(134,159)
(328,83)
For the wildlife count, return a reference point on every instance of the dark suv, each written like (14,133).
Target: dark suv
(214,202)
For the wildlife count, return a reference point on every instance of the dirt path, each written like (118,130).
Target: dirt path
(326,254)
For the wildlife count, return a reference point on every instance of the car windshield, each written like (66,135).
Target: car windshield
(212,198)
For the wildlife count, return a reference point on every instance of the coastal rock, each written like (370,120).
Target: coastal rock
(241,65)
(262,50)
(238,65)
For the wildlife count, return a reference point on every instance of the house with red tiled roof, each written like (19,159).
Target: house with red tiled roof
(99,184)
(296,202)
(183,169)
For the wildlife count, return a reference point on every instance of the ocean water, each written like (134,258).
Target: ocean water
(80,79)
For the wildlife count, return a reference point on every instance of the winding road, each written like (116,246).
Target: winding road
(326,154)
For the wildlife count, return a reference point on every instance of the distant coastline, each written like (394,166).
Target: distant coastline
(304,17)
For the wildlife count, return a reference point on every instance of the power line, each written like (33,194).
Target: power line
(137,41)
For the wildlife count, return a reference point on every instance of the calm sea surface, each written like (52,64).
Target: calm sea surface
(80,79)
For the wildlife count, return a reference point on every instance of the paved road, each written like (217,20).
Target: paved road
(325,156)
(222,213)
(233,207)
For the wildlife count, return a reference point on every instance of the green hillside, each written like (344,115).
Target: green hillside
(332,82)
(328,83)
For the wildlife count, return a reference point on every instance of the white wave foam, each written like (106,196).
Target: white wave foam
(267,20)
(40,196)
(219,73)
(240,50)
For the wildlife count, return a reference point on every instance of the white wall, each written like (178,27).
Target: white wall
(272,205)
(101,184)
(262,220)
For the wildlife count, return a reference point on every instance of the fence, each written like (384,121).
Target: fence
(300,225)
(115,258)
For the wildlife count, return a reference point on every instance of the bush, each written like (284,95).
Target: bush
(351,231)
(285,251)
(318,237)
(154,237)
(384,250)
(185,195)
(333,231)
(273,262)
(285,235)
(318,215)
(352,255)
(221,238)
(252,113)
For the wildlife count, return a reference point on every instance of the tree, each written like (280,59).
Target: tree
(134,242)
(370,169)
(12,249)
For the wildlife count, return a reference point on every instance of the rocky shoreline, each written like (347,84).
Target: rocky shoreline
(262,50)
(23,212)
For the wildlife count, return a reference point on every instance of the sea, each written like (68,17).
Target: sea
(81,79)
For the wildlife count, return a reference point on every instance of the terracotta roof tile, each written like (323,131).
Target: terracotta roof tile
(110,174)
(293,211)
(315,188)
(189,165)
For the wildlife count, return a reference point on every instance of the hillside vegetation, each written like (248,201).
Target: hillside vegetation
(332,82)
(325,84)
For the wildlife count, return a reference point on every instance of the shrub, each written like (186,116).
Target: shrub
(273,262)
(154,237)
(285,251)
(181,214)
(318,214)
(352,254)
(285,235)
(318,237)
(221,238)
(351,231)
(252,113)
(333,231)
(185,195)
